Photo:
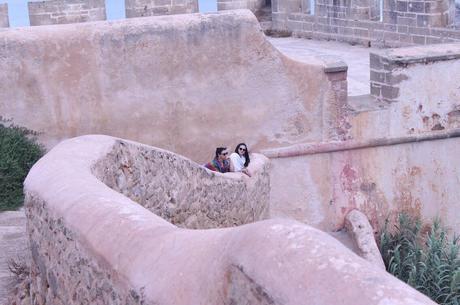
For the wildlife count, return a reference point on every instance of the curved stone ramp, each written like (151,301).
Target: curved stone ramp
(92,245)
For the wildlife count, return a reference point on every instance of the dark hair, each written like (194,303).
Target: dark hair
(246,153)
(219,150)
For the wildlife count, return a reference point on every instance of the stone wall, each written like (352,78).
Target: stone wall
(403,79)
(253,5)
(404,22)
(66,11)
(4,21)
(143,8)
(92,245)
(184,193)
(100,80)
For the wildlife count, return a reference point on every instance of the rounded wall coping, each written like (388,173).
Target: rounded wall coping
(290,261)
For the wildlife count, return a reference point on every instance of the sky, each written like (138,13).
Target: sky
(115,9)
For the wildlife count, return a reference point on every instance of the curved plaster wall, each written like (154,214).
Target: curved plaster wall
(168,81)
(92,245)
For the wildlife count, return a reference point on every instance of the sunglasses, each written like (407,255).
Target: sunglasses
(242,149)
(224,154)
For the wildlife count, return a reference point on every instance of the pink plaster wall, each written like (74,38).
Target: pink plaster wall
(320,189)
(187,83)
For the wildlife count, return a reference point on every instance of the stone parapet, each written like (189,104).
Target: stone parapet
(91,244)
(4,21)
(182,192)
(393,69)
(253,5)
(144,8)
(400,27)
(66,11)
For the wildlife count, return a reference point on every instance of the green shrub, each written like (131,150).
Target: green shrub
(426,259)
(18,152)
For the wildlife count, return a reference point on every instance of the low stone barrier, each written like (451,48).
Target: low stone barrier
(184,194)
(93,245)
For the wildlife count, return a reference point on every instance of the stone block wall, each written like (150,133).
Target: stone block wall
(4,21)
(143,8)
(404,22)
(253,5)
(184,193)
(404,79)
(66,11)
(420,13)
(346,9)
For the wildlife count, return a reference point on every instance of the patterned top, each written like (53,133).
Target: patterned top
(216,166)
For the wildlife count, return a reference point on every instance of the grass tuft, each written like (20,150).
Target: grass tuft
(426,259)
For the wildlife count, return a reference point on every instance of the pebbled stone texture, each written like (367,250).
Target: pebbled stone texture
(182,192)
(62,272)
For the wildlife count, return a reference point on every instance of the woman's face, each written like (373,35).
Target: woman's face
(223,155)
(242,150)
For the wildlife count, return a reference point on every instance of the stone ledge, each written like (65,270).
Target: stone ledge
(420,54)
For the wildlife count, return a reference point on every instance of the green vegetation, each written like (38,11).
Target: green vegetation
(425,258)
(18,152)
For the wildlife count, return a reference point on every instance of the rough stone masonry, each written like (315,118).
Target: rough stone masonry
(66,11)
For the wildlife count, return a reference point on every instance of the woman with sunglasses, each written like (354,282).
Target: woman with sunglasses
(239,160)
(220,163)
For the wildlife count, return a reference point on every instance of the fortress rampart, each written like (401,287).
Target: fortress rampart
(92,245)
(144,8)
(68,11)
(386,23)
(160,80)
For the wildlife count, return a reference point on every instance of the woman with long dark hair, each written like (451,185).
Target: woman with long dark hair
(239,160)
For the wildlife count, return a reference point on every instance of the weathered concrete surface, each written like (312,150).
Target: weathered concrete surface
(184,193)
(91,244)
(232,85)
(320,189)
(4,20)
(13,245)
(418,96)
(359,228)
(144,8)
(66,11)
(356,57)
